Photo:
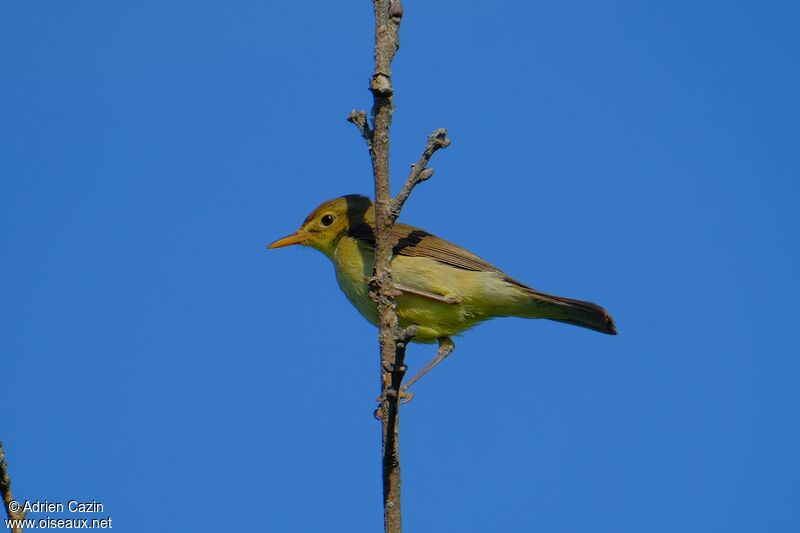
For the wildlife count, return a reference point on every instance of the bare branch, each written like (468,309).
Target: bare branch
(419,170)
(387,24)
(393,340)
(5,490)
(359,118)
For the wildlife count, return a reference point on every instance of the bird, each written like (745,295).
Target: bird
(442,288)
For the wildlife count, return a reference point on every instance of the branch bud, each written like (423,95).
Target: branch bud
(396,9)
(425,174)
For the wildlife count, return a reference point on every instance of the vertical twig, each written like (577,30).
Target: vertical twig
(387,24)
(5,490)
(392,339)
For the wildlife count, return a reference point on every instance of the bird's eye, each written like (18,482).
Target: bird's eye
(327,220)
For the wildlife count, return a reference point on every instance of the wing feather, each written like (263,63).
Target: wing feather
(414,242)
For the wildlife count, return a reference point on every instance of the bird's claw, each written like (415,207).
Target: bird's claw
(391,393)
(390,367)
(405,396)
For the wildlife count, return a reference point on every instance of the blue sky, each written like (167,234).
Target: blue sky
(155,357)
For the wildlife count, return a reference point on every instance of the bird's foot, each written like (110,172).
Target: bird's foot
(391,368)
(405,395)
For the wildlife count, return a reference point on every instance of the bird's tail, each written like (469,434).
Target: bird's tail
(577,312)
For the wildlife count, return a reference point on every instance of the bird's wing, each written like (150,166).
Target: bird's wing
(414,242)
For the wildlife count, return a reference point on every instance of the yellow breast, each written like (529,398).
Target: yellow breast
(354,264)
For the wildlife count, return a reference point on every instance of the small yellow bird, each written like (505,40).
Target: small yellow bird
(444,289)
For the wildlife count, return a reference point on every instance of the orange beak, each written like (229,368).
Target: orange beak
(297,237)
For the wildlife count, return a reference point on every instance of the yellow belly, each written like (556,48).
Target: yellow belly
(482,294)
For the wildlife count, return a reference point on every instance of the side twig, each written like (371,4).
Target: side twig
(359,118)
(5,490)
(419,170)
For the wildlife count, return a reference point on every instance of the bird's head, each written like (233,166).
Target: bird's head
(329,222)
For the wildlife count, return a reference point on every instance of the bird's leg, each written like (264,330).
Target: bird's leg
(446,347)
(429,295)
